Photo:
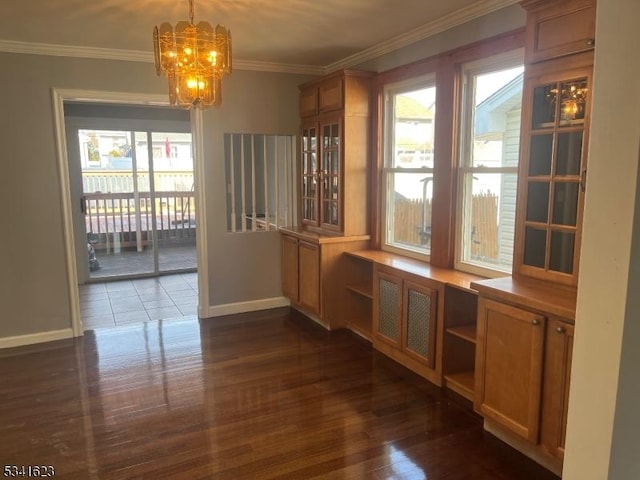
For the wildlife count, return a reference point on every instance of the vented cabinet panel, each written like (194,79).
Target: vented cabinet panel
(420,315)
(388,309)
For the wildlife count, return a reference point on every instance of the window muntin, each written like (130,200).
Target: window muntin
(489,152)
(409,120)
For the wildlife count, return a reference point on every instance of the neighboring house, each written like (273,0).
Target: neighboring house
(497,131)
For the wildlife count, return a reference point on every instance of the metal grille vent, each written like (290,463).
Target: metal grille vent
(418,322)
(388,320)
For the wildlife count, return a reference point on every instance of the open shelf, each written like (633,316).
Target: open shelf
(466,332)
(361,327)
(461,383)
(364,290)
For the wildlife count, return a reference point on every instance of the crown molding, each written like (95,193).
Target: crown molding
(478,9)
(278,67)
(54,50)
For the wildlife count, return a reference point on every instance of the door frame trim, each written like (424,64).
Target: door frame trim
(58,97)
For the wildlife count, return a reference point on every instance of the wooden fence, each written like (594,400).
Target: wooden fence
(411,215)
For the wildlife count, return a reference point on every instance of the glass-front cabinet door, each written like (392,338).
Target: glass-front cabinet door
(552,177)
(330,174)
(309,175)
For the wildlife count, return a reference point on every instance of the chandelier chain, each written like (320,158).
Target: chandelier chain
(191,11)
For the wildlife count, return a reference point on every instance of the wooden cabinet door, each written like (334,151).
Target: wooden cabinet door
(561,28)
(330,95)
(309,276)
(419,322)
(309,174)
(552,173)
(509,356)
(289,260)
(309,102)
(555,400)
(387,310)
(330,184)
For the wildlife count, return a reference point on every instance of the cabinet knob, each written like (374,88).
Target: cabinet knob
(591,42)
(535,321)
(561,329)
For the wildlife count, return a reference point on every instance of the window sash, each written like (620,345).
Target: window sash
(390,169)
(486,266)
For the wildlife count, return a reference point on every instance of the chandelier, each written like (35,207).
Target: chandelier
(194,59)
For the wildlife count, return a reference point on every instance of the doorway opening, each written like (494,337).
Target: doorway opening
(132,193)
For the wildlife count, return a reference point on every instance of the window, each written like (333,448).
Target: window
(489,150)
(408,165)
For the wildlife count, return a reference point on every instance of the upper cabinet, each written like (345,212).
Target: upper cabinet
(334,153)
(553,147)
(559,27)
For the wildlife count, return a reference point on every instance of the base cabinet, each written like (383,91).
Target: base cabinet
(557,372)
(523,368)
(314,273)
(289,258)
(405,319)
(509,373)
(309,276)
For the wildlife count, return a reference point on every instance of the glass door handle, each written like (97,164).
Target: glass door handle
(583,180)
(83,204)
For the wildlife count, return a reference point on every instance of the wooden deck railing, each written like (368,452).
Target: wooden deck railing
(121,220)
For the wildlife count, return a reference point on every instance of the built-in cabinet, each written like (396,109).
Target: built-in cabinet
(334,153)
(553,142)
(525,322)
(523,363)
(421,316)
(334,192)
(405,318)
(311,263)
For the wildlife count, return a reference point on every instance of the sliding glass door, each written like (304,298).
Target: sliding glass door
(138,202)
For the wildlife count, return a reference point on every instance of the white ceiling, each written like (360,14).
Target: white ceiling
(316,33)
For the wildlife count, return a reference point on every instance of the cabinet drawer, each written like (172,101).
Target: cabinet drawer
(560,28)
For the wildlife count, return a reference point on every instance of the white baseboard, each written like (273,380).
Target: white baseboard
(243,307)
(22,340)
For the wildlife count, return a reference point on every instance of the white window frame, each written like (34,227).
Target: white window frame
(389,92)
(469,70)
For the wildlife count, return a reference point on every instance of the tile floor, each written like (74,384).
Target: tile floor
(134,301)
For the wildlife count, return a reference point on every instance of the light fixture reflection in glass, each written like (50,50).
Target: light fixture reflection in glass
(194,58)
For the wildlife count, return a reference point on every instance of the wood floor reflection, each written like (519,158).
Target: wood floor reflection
(253,396)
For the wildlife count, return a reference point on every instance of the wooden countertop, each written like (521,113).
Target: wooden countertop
(546,297)
(314,237)
(446,276)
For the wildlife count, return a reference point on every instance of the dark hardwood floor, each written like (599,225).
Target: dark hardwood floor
(262,395)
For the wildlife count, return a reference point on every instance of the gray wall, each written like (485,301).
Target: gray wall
(245,266)
(33,285)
